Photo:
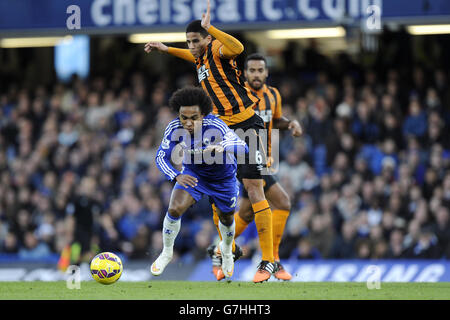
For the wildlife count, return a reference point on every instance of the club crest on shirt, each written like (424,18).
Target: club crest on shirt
(165,143)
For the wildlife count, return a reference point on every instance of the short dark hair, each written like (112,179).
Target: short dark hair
(255,56)
(196,26)
(191,96)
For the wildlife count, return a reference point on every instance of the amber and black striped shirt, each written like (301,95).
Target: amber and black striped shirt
(268,108)
(224,83)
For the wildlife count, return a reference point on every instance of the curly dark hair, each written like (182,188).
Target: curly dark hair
(191,96)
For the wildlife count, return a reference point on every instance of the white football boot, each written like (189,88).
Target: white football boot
(160,264)
(227,263)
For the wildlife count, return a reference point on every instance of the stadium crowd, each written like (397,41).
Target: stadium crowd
(369,179)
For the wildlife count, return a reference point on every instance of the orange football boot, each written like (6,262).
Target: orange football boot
(265,270)
(281,273)
(216,257)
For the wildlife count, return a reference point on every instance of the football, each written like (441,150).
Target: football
(106,268)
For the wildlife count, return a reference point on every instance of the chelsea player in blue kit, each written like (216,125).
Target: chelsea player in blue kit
(209,167)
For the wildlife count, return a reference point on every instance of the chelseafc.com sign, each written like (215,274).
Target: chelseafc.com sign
(150,12)
(126,15)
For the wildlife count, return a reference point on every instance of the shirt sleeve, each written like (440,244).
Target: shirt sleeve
(181,53)
(278,109)
(164,153)
(227,46)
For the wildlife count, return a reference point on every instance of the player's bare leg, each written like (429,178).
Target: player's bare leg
(180,201)
(263,221)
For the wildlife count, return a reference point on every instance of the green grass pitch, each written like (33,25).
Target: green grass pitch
(185,290)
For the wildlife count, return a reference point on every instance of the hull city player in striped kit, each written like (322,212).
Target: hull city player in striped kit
(209,168)
(270,110)
(219,76)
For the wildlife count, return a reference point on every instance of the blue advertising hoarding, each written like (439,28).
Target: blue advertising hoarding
(365,271)
(126,15)
(342,270)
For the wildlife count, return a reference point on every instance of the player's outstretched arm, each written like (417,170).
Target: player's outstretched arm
(162,161)
(233,144)
(231,47)
(284,123)
(155,45)
(177,52)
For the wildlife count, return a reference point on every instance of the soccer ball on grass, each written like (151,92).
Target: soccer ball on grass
(106,268)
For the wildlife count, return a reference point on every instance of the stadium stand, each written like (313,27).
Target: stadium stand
(369,179)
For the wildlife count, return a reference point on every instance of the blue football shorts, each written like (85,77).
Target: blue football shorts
(224,194)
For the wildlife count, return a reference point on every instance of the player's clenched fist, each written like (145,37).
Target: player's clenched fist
(186,180)
(152,45)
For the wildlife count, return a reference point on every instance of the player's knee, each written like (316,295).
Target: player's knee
(175,210)
(285,203)
(248,216)
(255,192)
(226,218)
(280,200)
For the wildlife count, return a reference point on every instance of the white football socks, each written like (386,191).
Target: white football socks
(226,245)
(171,227)
(227,233)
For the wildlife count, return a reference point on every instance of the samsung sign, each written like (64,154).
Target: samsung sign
(343,271)
(123,15)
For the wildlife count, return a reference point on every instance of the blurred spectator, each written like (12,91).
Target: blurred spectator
(82,210)
(295,168)
(296,227)
(305,250)
(380,250)
(10,243)
(363,125)
(441,229)
(319,123)
(321,233)
(390,129)
(33,248)
(202,240)
(363,249)
(141,243)
(344,243)
(350,202)
(416,122)
(396,248)
(426,246)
